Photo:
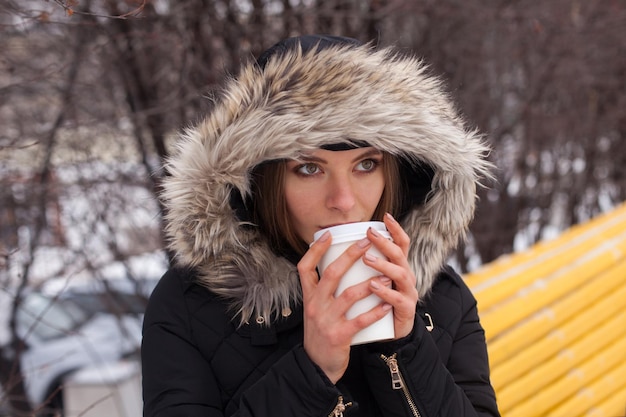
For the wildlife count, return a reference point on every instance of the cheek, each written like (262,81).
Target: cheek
(298,200)
(294,203)
(301,209)
(372,192)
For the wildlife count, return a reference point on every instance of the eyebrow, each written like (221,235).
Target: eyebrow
(370,152)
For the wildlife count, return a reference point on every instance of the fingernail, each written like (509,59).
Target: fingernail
(390,217)
(370,257)
(374,232)
(363,243)
(385,280)
(386,307)
(374,284)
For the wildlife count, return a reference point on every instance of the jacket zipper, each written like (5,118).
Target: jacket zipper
(339,408)
(397,382)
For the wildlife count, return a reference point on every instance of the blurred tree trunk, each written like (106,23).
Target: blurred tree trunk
(542,80)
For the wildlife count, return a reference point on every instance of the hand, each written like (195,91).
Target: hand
(402,295)
(327,331)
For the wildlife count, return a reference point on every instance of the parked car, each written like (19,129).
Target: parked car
(117,297)
(79,327)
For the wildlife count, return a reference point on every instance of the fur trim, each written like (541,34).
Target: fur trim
(298,103)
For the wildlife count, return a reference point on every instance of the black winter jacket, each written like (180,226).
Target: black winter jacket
(213,345)
(197,362)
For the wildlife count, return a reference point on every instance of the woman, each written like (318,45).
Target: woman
(320,131)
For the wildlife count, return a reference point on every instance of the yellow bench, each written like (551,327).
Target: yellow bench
(555,321)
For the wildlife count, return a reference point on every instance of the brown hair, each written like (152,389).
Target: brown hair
(270,207)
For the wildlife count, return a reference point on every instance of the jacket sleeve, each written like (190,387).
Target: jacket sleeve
(178,380)
(457,386)
(294,386)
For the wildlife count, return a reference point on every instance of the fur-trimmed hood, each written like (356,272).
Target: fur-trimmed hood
(299,102)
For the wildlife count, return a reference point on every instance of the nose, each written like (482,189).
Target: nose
(340,194)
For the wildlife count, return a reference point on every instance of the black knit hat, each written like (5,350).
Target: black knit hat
(306,42)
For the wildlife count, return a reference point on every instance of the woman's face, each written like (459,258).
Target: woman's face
(327,188)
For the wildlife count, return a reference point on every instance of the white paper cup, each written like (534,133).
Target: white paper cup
(342,237)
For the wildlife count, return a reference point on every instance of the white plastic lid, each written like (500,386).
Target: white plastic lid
(352,231)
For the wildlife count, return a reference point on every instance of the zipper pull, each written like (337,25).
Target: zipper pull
(396,378)
(429,322)
(339,408)
(397,382)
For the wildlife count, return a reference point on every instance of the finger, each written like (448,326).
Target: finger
(351,295)
(398,299)
(370,317)
(403,307)
(398,267)
(401,274)
(394,253)
(399,236)
(394,264)
(308,264)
